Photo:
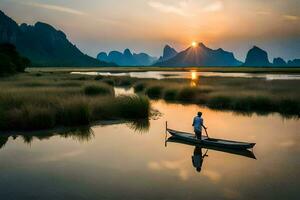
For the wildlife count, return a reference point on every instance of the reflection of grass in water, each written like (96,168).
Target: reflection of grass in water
(81,134)
(3,141)
(140,126)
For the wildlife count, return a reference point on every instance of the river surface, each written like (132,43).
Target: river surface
(194,74)
(122,162)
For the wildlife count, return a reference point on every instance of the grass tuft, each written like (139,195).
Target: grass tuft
(98,77)
(92,90)
(154,92)
(139,87)
(170,94)
(73,113)
(109,81)
(187,94)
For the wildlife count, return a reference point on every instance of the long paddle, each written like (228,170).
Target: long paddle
(206,132)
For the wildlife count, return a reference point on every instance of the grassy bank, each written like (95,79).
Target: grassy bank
(237,94)
(36,101)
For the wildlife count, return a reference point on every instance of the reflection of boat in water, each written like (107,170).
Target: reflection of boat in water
(243,152)
(211,141)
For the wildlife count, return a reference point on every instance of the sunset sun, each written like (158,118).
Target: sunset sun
(194,44)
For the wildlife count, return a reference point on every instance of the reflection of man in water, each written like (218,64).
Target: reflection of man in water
(198,124)
(197,158)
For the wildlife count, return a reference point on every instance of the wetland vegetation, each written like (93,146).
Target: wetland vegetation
(34,101)
(45,100)
(238,94)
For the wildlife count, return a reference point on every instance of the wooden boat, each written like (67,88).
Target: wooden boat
(210,141)
(239,152)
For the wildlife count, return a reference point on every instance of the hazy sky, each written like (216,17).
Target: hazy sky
(147,25)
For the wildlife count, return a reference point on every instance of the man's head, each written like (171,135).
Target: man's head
(198,169)
(199,114)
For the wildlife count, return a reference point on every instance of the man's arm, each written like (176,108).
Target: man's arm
(202,124)
(193,122)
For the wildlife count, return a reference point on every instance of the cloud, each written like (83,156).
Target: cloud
(154,166)
(177,166)
(184,8)
(178,10)
(214,176)
(263,13)
(287,144)
(61,157)
(291,17)
(214,6)
(55,8)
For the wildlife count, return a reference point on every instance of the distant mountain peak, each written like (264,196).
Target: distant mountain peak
(202,45)
(127,52)
(43,44)
(167,47)
(257,57)
(168,52)
(127,58)
(279,62)
(201,56)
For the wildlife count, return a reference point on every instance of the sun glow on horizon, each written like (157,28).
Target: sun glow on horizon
(194,44)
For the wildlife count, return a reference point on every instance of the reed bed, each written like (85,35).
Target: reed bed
(29,102)
(237,94)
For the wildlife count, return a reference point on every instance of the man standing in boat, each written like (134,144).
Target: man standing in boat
(198,124)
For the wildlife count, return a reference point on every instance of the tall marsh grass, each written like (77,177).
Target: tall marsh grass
(154,92)
(76,110)
(73,103)
(99,89)
(237,94)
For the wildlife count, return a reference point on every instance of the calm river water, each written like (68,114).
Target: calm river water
(119,162)
(194,74)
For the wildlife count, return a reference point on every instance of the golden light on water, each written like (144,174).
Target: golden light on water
(194,78)
(194,75)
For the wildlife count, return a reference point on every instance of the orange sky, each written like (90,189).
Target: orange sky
(147,25)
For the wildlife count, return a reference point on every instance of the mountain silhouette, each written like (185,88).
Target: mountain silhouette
(279,62)
(256,57)
(43,44)
(168,53)
(201,56)
(126,58)
(294,63)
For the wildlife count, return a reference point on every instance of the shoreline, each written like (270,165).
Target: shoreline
(271,70)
